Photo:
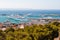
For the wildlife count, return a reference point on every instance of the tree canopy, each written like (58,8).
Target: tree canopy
(33,32)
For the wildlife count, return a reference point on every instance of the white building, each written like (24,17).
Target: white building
(21,26)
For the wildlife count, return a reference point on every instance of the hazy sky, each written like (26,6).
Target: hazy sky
(29,4)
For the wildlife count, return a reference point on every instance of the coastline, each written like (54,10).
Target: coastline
(8,24)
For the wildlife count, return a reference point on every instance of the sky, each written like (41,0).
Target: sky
(30,4)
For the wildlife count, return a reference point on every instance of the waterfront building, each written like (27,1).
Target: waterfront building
(3,29)
(21,26)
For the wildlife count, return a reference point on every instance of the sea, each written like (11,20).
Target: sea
(23,16)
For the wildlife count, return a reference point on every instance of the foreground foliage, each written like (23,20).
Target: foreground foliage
(33,32)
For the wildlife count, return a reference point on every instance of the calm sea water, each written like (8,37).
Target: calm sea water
(19,16)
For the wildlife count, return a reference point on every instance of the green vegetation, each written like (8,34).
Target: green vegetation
(33,32)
